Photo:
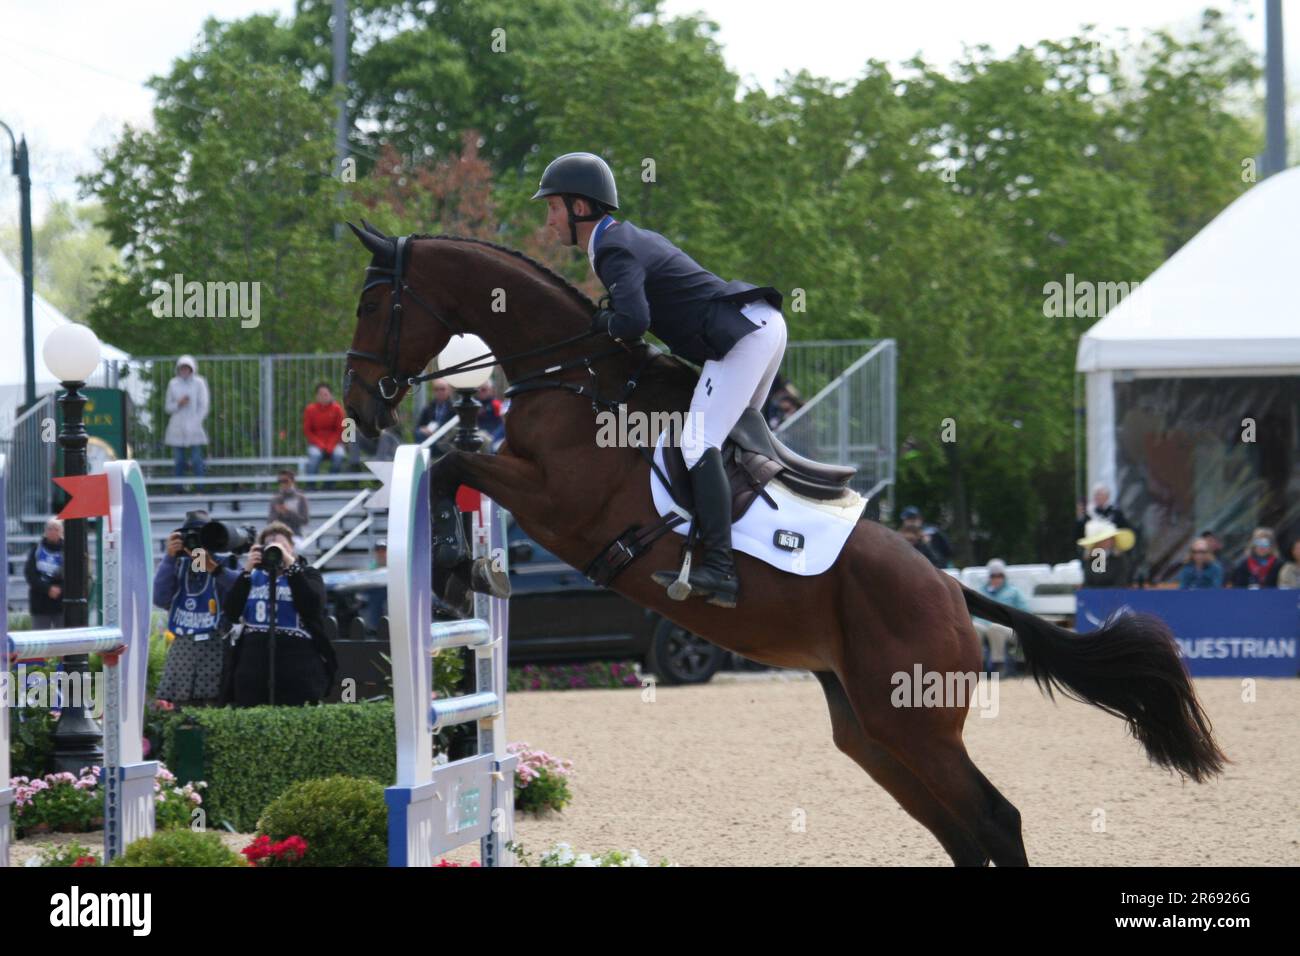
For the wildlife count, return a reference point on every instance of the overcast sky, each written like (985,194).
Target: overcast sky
(72,71)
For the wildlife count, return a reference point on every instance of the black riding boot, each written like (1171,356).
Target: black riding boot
(714,577)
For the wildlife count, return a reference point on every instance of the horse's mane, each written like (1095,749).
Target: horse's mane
(547,272)
(669,379)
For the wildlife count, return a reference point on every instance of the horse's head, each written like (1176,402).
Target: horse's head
(392,343)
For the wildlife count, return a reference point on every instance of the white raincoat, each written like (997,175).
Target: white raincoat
(185,425)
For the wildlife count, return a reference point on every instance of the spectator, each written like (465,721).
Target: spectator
(44,573)
(1260,567)
(912,535)
(1289,576)
(322,423)
(491,417)
(305,664)
(435,414)
(1100,509)
(998,635)
(187,402)
(192,600)
(1106,563)
(1216,547)
(1202,571)
(935,539)
(289,504)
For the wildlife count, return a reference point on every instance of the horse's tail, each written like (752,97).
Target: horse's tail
(1128,668)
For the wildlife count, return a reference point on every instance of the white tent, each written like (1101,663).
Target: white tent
(1225,305)
(45,319)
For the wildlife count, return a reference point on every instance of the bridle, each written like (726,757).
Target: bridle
(396,380)
(395,277)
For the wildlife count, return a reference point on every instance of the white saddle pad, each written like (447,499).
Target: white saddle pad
(800,535)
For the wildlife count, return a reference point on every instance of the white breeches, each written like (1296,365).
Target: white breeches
(739,380)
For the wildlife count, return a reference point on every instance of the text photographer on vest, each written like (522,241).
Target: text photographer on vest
(193,599)
(280,654)
(44,573)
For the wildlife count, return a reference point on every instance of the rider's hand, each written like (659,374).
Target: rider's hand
(600,321)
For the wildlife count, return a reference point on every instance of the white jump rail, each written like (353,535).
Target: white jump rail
(435,809)
(123,639)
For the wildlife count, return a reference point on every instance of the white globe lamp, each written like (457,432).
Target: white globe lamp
(460,349)
(71,353)
(463,348)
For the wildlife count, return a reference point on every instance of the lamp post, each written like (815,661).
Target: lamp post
(22,169)
(460,349)
(71,354)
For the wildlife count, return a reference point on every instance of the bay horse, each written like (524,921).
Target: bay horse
(880,610)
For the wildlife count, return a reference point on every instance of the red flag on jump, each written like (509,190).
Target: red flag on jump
(467,499)
(88,496)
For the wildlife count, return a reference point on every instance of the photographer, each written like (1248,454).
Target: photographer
(192,599)
(303,667)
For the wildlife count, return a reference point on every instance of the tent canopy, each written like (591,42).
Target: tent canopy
(1227,300)
(45,319)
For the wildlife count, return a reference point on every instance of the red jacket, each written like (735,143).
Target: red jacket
(323,425)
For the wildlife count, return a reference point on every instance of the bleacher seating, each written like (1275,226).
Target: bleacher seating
(1048,589)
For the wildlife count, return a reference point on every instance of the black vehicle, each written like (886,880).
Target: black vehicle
(557,616)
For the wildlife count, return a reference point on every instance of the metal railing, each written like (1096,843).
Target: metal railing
(29,491)
(851,421)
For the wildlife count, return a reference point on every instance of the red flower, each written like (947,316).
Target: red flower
(86,861)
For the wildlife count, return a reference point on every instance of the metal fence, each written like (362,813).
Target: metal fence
(28,490)
(851,421)
(258,402)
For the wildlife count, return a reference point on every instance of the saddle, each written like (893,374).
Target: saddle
(752,456)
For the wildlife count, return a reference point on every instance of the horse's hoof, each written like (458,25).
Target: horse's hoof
(486,577)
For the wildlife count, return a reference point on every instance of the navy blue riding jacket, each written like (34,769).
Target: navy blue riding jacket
(655,286)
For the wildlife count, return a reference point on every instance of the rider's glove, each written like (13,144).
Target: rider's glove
(601,320)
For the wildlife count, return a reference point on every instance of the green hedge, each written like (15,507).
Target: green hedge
(253,754)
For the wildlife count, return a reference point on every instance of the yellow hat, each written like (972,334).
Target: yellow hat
(1099,529)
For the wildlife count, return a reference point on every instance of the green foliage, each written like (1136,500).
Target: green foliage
(179,848)
(31,741)
(931,206)
(252,755)
(344,821)
(70,251)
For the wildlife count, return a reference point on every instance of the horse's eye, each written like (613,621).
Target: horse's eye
(369,307)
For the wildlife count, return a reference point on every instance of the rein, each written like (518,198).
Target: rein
(390,384)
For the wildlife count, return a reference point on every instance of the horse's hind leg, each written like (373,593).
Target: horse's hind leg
(897,778)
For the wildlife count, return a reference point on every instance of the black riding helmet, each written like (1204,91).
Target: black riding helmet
(580,174)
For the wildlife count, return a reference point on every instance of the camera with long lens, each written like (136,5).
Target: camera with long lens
(273,559)
(217,538)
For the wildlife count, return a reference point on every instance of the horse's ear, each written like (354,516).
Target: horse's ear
(378,245)
(372,229)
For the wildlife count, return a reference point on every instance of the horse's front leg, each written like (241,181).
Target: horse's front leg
(516,484)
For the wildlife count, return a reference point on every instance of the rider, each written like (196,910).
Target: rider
(733,330)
